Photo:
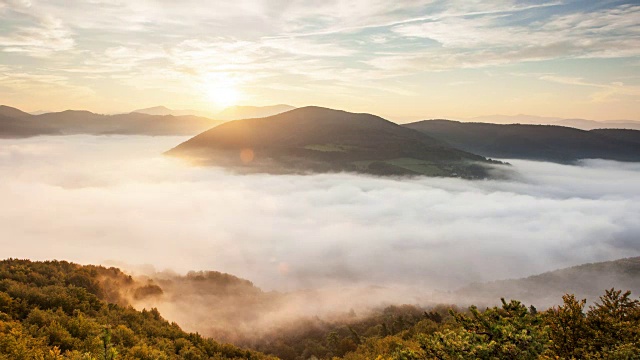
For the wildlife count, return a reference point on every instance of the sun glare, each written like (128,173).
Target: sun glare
(222,91)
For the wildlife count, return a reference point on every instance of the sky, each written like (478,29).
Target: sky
(399,59)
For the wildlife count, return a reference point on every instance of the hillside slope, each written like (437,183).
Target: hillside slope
(11,112)
(56,310)
(585,281)
(60,310)
(14,123)
(314,139)
(535,142)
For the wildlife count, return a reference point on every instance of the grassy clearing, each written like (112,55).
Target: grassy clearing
(330,147)
(416,166)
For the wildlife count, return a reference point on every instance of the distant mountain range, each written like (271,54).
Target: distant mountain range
(315,139)
(250,112)
(17,123)
(543,290)
(542,120)
(535,142)
(230,113)
(158,120)
(163,110)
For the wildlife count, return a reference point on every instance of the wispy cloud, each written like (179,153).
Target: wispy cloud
(606,92)
(47,35)
(474,10)
(303,44)
(606,34)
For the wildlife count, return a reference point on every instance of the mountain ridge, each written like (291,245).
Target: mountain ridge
(12,112)
(16,124)
(319,139)
(584,280)
(583,124)
(163,111)
(534,142)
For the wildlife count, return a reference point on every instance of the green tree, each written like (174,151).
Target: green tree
(568,329)
(509,332)
(615,326)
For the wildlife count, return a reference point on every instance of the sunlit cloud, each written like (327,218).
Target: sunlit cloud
(395,47)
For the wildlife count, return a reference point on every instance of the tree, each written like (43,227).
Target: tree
(509,332)
(615,325)
(568,328)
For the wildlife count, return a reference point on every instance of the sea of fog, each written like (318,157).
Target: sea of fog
(117,200)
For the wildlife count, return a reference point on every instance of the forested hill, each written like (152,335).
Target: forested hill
(59,310)
(585,281)
(536,142)
(315,139)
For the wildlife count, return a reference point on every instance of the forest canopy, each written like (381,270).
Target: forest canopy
(61,310)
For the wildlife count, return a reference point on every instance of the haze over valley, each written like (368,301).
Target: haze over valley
(292,231)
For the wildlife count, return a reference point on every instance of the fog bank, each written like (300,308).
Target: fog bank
(115,199)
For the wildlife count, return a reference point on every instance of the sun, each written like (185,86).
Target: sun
(223,96)
(222,91)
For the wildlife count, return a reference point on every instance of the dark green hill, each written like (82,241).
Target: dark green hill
(314,139)
(535,142)
(622,135)
(59,310)
(15,123)
(585,281)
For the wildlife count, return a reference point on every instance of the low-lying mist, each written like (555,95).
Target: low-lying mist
(116,200)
